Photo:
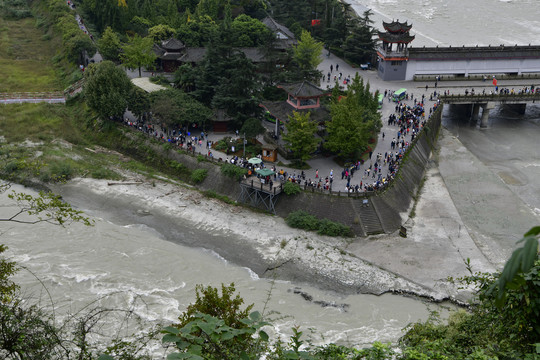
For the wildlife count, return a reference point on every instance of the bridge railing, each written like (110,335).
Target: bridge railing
(490,97)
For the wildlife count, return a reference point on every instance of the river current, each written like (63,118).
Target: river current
(132,266)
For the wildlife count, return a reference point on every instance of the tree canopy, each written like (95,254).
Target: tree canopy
(109,45)
(300,136)
(106,89)
(138,52)
(175,108)
(355,121)
(307,53)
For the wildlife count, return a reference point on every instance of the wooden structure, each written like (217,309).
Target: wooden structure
(269,152)
(254,192)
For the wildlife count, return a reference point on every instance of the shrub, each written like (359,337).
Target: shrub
(331,228)
(233,171)
(291,188)
(200,158)
(104,173)
(222,145)
(197,176)
(303,220)
(61,171)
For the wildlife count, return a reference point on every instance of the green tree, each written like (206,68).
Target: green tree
(106,89)
(185,77)
(354,121)
(307,53)
(76,45)
(197,31)
(227,79)
(109,45)
(300,136)
(161,32)
(7,286)
(252,127)
(359,45)
(138,101)
(251,30)
(138,53)
(174,108)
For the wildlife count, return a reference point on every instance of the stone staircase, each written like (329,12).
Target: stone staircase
(368,216)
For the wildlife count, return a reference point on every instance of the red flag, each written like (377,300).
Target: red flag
(494,82)
(315,22)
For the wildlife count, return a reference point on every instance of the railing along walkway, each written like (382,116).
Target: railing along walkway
(32,97)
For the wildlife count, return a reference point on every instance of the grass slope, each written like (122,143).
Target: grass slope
(26,58)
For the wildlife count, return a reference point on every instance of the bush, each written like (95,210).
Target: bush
(303,220)
(197,176)
(221,145)
(233,171)
(291,188)
(331,228)
(61,171)
(104,173)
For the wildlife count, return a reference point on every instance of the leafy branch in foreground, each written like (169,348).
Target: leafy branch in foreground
(521,261)
(46,207)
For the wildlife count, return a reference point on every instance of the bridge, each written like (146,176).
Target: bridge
(517,101)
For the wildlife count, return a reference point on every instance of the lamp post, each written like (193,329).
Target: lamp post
(244,145)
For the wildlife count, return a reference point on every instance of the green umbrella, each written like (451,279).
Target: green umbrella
(265,172)
(254,160)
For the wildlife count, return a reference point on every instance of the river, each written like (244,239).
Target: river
(460,22)
(131,266)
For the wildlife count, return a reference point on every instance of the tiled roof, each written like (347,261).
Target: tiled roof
(172,44)
(305,89)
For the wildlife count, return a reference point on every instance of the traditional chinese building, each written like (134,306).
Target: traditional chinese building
(303,95)
(393,50)
(168,53)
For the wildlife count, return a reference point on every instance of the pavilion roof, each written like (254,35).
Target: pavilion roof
(172,45)
(397,27)
(282,110)
(304,89)
(396,38)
